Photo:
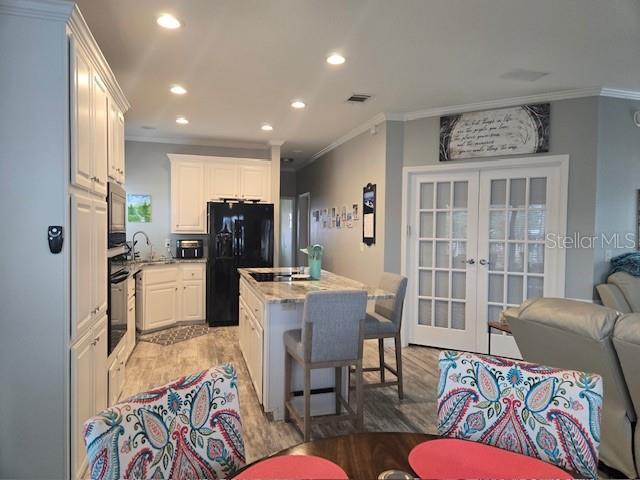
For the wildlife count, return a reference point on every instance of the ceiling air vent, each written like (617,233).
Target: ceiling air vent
(358,98)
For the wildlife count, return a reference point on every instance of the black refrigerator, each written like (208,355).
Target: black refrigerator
(240,235)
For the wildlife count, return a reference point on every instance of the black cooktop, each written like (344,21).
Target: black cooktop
(277,277)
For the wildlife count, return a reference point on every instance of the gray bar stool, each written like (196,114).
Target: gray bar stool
(331,337)
(385,322)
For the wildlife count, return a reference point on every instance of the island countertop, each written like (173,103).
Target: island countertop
(295,291)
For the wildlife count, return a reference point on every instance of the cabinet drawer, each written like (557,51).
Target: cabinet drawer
(193,272)
(156,275)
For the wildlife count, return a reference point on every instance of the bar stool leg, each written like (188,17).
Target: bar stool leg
(287,384)
(359,397)
(381,358)
(338,389)
(307,403)
(399,365)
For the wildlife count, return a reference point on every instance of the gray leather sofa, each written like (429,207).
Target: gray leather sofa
(591,338)
(621,292)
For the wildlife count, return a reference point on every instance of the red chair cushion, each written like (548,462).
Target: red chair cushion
(453,458)
(293,467)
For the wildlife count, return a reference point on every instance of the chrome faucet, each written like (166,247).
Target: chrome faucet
(133,244)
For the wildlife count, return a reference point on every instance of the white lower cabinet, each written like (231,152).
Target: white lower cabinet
(170,294)
(117,373)
(88,385)
(251,336)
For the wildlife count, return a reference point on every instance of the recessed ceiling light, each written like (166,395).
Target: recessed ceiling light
(298,104)
(182,120)
(178,89)
(335,59)
(266,127)
(166,20)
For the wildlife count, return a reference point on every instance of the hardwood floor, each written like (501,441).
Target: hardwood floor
(151,365)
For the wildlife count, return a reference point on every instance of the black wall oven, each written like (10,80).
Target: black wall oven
(117,302)
(117,213)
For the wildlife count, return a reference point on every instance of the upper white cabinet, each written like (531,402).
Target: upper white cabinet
(222,180)
(196,180)
(255,182)
(116,143)
(81,118)
(187,197)
(89,123)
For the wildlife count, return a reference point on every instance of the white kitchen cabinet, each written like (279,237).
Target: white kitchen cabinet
(88,385)
(192,300)
(197,179)
(222,181)
(89,123)
(81,117)
(117,373)
(255,182)
(99,284)
(188,202)
(156,297)
(160,305)
(100,103)
(88,261)
(130,341)
(251,336)
(116,143)
(170,294)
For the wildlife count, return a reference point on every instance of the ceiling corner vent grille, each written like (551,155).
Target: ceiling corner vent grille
(358,98)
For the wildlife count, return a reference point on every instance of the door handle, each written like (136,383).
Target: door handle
(471,261)
(483,262)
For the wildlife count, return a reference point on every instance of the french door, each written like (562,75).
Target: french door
(478,247)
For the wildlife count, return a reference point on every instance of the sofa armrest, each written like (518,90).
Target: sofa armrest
(612,297)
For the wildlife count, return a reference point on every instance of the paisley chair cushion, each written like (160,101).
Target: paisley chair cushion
(188,428)
(547,413)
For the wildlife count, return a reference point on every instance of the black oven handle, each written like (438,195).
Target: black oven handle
(119,277)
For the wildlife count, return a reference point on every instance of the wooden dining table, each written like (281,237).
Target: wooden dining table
(365,454)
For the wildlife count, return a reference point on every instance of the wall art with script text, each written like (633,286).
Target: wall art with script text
(506,131)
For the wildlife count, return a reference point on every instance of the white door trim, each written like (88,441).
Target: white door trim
(561,161)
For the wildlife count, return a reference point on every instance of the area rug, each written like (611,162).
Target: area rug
(175,335)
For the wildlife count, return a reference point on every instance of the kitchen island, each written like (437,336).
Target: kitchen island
(270,307)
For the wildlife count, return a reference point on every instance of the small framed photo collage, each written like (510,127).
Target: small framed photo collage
(337,217)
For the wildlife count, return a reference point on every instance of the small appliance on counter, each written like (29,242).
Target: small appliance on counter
(189,249)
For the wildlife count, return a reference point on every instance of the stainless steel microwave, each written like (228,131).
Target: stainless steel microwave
(117,214)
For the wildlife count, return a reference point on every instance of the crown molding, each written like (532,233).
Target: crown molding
(503,102)
(200,142)
(478,106)
(58,10)
(617,93)
(81,34)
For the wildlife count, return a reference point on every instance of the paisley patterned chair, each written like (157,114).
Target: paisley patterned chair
(547,413)
(188,428)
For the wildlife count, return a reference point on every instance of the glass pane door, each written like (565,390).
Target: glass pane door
(513,221)
(445,245)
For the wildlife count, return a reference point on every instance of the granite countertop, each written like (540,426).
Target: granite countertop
(295,291)
(135,266)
